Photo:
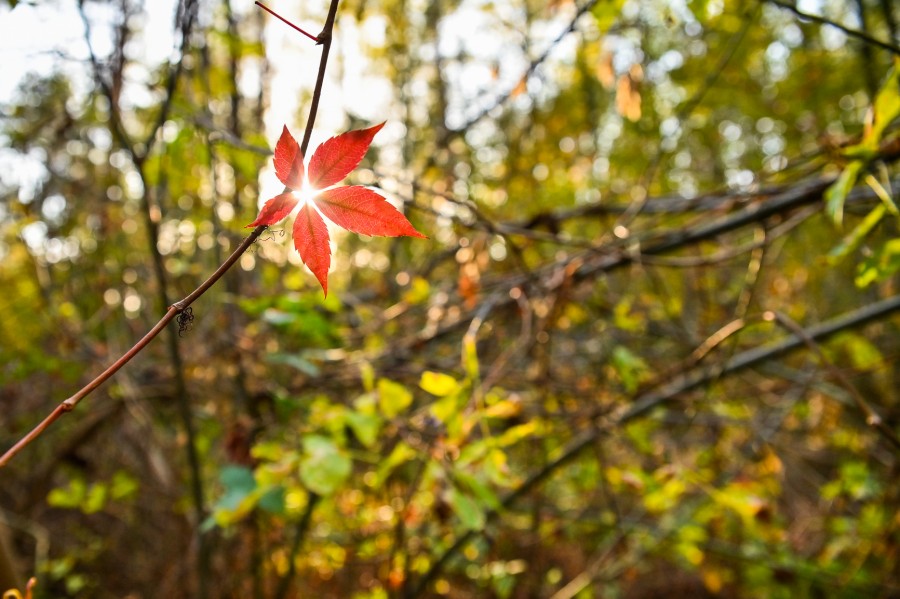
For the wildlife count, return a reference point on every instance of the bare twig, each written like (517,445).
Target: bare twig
(532,67)
(299,535)
(860,35)
(872,417)
(286,22)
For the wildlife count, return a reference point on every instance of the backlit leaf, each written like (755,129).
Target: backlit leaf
(311,240)
(288,160)
(274,210)
(354,208)
(365,426)
(363,211)
(324,466)
(336,157)
(393,397)
(438,383)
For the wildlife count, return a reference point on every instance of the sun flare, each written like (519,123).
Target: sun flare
(306,194)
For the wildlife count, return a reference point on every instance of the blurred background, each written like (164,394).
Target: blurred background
(648,349)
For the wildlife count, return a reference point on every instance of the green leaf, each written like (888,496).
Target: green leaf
(629,367)
(470,357)
(878,267)
(367,374)
(401,454)
(239,483)
(419,291)
(836,194)
(606,13)
(393,397)
(861,353)
(70,496)
(470,514)
(95,499)
(272,501)
(365,426)
(514,434)
(324,466)
(855,238)
(480,489)
(447,407)
(123,485)
(438,384)
(886,107)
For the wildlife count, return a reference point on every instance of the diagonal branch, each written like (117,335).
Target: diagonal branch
(178,307)
(860,35)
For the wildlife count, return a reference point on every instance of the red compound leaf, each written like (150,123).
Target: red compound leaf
(357,209)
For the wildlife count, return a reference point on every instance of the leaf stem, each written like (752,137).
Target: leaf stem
(285,21)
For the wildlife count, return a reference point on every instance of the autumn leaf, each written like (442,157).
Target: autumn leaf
(355,208)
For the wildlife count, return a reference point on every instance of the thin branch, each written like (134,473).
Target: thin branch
(189,14)
(178,307)
(532,67)
(174,310)
(860,35)
(285,21)
(872,417)
(299,535)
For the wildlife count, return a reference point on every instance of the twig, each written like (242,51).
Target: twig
(860,35)
(285,21)
(872,417)
(299,535)
(69,404)
(501,99)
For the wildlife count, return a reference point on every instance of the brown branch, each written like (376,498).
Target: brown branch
(175,309)
(69,404)
(286,22)
(872,417)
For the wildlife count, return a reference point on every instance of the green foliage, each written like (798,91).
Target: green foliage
(92,498)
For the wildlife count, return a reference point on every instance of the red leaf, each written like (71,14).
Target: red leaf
(363,211)
(334,159)
(288,160)
(311,240)
(274,210)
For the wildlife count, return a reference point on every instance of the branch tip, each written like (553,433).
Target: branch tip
(286,22)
